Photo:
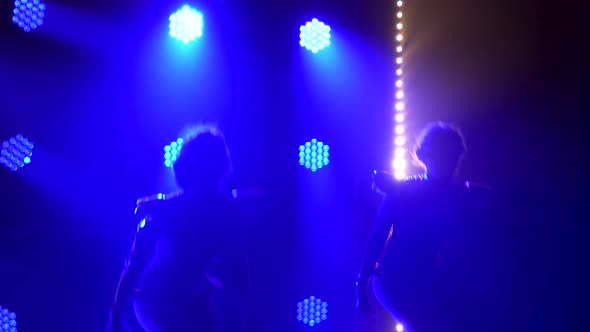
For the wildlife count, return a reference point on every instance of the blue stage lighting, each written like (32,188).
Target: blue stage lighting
(171,152)
(186,24)
(7,320)
(28,14)
(314,35)
(312,311)
(16,152)
(314,155)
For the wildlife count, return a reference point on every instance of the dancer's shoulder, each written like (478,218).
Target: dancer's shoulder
(152,204)
(385,182)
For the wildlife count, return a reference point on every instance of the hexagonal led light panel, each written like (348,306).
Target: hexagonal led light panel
(186,24)
(28,14)
(7,320)
(16,152)
(314,35)
(171,152)
(312,311)
(314,155)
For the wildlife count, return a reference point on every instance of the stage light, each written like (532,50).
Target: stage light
(400,129)
(399,327)
(171,152)
(16,152)
(312,311)
(400,141)
(314,35)
(7,320)
(186,24)
(314,155)
(400,164)
(28,14)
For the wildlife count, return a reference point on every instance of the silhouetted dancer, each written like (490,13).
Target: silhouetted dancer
(426,249)
(187,269)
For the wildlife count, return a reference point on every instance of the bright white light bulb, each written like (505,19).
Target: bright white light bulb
(399,327)
(400,152)
(399,94)
(399,14)
(399,37)
(400,118)
(399,106)
(400,141)
(399,61)
(400,129)
(400,164)
(399,49)
(400,175)
(400,26)
(400,3)
(399,83)
(399,72)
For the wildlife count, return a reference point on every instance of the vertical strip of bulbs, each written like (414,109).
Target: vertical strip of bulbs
(400,162)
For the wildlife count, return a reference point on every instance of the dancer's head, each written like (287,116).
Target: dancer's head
(204,163)
(440,147)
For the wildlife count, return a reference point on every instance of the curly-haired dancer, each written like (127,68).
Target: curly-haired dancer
(187,269)
(423,254)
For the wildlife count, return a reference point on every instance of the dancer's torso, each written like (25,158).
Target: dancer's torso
(432,227)
(190,236)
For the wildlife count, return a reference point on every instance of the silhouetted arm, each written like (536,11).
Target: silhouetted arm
(375,245)
(141,252)
(377,238)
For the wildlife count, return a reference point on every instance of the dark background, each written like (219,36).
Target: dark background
(100,88)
